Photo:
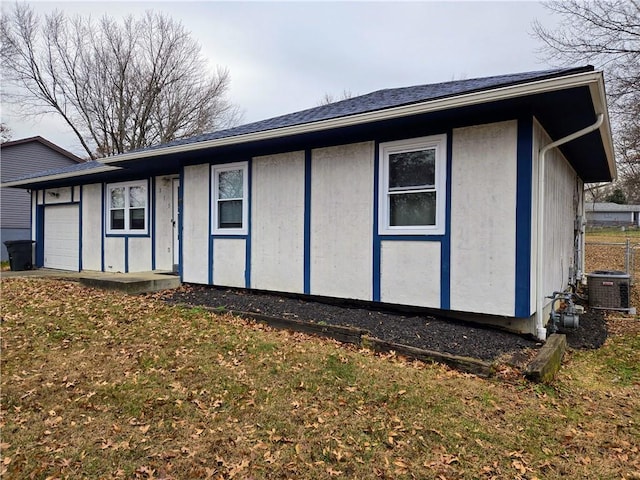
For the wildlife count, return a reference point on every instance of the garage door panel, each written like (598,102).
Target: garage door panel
(62,237)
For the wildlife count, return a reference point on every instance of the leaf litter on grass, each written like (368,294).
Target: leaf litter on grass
(98,384)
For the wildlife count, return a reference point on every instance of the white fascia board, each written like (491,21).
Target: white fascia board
(60,176)
(599,98)
(474,98)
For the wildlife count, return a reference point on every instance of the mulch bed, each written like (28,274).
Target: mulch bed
(415,330)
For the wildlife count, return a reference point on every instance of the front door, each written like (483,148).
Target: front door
(176,224)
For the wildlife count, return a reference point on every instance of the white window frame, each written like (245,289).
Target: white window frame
(437,142)
(127,208)
(215,171)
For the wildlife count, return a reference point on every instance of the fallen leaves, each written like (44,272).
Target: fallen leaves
(142,390)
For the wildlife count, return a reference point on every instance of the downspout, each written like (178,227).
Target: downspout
(541,331)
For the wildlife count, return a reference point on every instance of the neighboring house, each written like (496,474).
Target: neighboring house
(608,214)
(450,197)
(19,158)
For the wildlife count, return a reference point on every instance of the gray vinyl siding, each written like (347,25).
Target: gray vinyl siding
(19,160)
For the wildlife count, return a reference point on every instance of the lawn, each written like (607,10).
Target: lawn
(98,384)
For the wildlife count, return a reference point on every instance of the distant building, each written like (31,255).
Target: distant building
(608,214)
(17,159)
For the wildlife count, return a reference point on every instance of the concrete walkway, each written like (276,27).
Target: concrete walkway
(140,282)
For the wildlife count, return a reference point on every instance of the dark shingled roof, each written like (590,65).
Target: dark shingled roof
(379,100)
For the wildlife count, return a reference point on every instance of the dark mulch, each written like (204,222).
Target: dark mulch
(416,330)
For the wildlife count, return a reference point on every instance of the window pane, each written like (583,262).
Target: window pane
(230,184)
(412,169)
(117,197)
(137,196)
(230,214)
(409,209)
(136,219)
(117,219)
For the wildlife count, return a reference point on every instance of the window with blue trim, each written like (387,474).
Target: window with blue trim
(230,207)
(412,186)
(127,209)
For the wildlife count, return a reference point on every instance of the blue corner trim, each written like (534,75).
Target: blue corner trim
(211,237)
(180,217)
(79,227)
(377,246)
(126,254)
(445,243)
(39,235)
(152,207)
(524,194)
(103,226)
(247,243)
(307,223)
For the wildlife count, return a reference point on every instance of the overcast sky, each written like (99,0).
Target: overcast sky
(285,56)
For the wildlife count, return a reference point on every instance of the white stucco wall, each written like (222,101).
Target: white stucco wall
(410,273)
(92,227)
(164,226)
(563,196)
(139,254)
(114,254)
(58,195)
(483,218)
(195,232)
(277,230)
(342,221)
(229,262)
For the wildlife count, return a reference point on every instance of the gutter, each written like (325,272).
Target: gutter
(60,176)
(541,331)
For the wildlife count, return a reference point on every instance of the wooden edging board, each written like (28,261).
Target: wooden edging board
(364,339)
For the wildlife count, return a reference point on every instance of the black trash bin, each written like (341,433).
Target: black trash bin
(20,254)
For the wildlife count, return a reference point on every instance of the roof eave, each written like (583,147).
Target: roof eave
(59,176)
(592,79)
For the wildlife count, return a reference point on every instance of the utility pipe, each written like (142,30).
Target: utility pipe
(541,331)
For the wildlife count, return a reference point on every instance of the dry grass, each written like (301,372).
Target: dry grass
(102,385)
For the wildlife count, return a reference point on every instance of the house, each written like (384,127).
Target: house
(463,197)
(19,158)
(608,214)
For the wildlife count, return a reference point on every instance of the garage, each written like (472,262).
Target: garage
(61,237)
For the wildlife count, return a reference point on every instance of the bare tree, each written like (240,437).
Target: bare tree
(5,133)
(328,98)
(119,86)
(605,33)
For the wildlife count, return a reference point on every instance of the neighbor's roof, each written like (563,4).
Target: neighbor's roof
(44,142)
(610,207)
(378,106)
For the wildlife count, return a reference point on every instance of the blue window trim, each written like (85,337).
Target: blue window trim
(233,236)
(524,192)
(147,232)
(443,238)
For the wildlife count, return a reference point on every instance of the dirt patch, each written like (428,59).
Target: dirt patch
(420,331)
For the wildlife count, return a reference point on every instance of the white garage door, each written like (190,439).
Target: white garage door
(61,237)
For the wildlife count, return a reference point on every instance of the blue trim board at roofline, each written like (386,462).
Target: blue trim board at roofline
(524,193)
(307,223)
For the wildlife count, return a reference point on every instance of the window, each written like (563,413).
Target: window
(127,208)
(412,186)
(230,198)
